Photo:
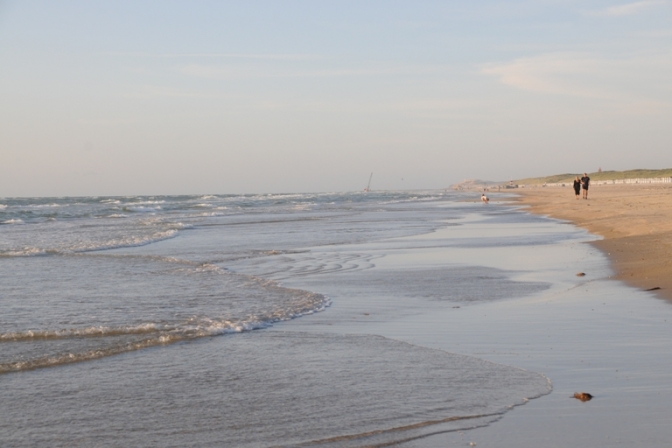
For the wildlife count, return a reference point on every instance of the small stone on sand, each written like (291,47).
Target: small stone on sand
(580,274)
(583,396)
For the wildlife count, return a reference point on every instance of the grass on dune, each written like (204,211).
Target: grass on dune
(603,175)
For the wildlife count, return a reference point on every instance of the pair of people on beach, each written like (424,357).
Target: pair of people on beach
(581,184)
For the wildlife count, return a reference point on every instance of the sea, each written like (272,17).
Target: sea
(269,320)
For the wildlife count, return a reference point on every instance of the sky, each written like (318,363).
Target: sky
(225,97)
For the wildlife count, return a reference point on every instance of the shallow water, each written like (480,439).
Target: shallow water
(587,333)
(114,331)
(260,389)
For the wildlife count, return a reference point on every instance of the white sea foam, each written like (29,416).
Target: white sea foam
(114,340)
(93,243)
(13,221)
(146,202)
(80,332)
(128,241)
(52,205)
(140,209)
(23,252)
(69,358)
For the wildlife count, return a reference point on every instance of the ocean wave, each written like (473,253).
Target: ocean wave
(92,246)
(306,206)
(130,241)
(23,252)
(69,358)
(140,209)
(13,221)
(51,205)
(151,334)
(96,331)
(146,202)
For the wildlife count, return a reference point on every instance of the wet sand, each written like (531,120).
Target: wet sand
(634,220)
(586,334)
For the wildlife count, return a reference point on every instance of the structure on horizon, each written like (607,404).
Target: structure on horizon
(368,187)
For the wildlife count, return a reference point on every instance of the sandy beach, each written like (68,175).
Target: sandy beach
(635,222)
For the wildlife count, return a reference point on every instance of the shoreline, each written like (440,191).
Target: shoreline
(585,334)
(635,222)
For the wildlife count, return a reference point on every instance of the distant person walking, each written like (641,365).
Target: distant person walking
(577,186)
(585,183)
(484,198)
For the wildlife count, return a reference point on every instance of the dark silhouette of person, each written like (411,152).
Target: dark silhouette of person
(577,186)
(585,183)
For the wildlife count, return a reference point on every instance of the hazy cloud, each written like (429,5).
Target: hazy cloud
(637,80)
(553,73)
(628,8)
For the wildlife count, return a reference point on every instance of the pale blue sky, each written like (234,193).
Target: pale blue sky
(140,97)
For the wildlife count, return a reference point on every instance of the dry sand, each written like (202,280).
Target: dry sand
(635,221)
